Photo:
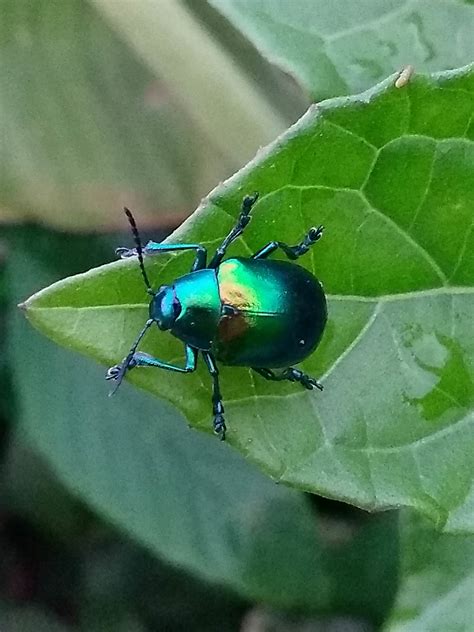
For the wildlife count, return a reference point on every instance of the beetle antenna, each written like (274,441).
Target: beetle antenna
(138,244)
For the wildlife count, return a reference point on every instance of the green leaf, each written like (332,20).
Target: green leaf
(437,581)
(340,47)
(389,173)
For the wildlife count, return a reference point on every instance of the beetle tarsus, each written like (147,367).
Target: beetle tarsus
(217,405)
(314,234)
(244,217)
(219,426)
(113,372)
(116,373)
(292,252)
(126,253)
(311,237)
(247,204)
(292,375)
(314,383)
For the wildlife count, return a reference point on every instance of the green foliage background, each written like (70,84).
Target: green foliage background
(150,104)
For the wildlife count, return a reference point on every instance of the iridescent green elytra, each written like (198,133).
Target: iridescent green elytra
(251,312)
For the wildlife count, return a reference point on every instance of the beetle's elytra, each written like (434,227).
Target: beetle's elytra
(249,311)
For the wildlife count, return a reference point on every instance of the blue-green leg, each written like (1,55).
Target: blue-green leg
(292,252)
(139,358)
(291,374)
(155,248)
(242,221)
(145,359)
(217,405)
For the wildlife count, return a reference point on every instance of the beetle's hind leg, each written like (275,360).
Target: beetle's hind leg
(292,252)
(291,374)
(242,221)
(217,405)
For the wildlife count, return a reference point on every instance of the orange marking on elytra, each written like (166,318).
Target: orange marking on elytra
(232,326)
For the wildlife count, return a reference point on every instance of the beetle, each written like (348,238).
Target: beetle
(242,311)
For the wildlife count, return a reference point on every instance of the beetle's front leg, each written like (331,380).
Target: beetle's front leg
(217,405)
(117,372)
(145,359)
(138,358)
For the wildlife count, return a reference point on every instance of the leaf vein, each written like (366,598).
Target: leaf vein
(370,24)
(416,245)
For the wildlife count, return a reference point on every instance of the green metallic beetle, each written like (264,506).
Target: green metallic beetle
(242,311)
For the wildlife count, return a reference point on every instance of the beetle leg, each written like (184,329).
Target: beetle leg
(242,221)
(145,359)
(217,405)
(291,374)
(117,372)
(292,252)
(156,248)
(139,358)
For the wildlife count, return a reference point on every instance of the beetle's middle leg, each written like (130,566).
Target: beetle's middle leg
(242,221)
(292,252)
(217,405)
(291,374)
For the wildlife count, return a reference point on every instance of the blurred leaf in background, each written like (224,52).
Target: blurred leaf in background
(28,620)
(94,117)
(342,47)
(437,580)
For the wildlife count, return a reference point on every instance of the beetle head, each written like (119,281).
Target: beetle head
(165,307)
